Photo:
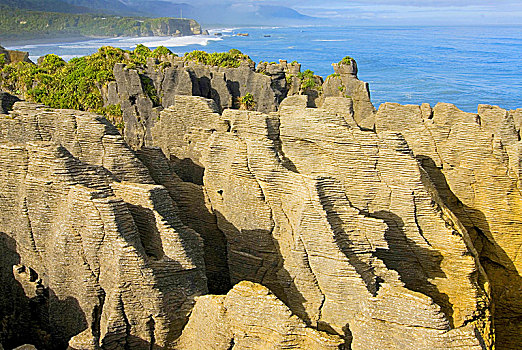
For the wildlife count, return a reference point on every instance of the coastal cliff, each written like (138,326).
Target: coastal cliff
(258,207)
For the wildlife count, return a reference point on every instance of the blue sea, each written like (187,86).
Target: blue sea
(465,66)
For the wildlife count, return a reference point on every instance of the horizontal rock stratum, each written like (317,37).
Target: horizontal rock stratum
(312,222)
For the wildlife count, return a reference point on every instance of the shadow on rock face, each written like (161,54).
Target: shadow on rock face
(233,89)
(349,248)
(42,320)
(415,264)
(506,282)
(262,263)
(183,180)
(6,102)
(187,170)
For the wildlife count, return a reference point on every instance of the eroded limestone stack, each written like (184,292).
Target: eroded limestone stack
(95,248)
(346,84)
(337,222)
(132,90)
(143,93)
(338,227)
(474,162)
(13,56)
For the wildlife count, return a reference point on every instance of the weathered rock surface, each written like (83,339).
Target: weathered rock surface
(325,241)
(26,347)
(474,161)
(347,85)
(95,249)
(249,317)
(269,84)
(13,56)
(339,226)
(327,236)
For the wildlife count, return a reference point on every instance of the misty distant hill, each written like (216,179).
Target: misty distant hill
(225,13)
(114,7)
(45,5)
(230,14)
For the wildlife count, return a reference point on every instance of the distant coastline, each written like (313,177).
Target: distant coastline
(16,43)
(23,26)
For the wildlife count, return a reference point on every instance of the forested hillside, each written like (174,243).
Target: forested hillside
(25,24)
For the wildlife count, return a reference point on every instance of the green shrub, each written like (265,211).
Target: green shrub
(307,79)
(164,65)
(289,78)
(235,52)
(247,101)
(308,83)
(59,84)
(161,51)
(2,60)
(120,126)
(149,89)
(113,111)
(232,58)
(306,74)
(141,53)
(52,62)
(346,60)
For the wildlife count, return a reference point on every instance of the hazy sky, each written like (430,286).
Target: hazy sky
(404,11)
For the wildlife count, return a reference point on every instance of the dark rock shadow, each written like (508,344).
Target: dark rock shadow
(313,96)
(346,245)
(150,237)
(235,92)
(188,195)
(269,271)
(415,264)
(6,102)
(187,170)
(205,86)
(44,320)
(499,268)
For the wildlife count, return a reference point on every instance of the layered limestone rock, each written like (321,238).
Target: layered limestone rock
(336,237)
(181,135)
(249,317)
(345,83)
(224,85)
(96,249)
(143,93)
(474,162)
(195,212)
(338,227)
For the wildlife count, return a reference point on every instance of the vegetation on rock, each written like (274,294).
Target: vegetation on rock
(247,102)
(149,89)
(22,24)
(307,79)
(232,58)
(346,60)
(76,84)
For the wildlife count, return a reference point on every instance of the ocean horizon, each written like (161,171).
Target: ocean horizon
(462,65)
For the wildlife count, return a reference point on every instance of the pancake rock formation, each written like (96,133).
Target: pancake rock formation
(310,221)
